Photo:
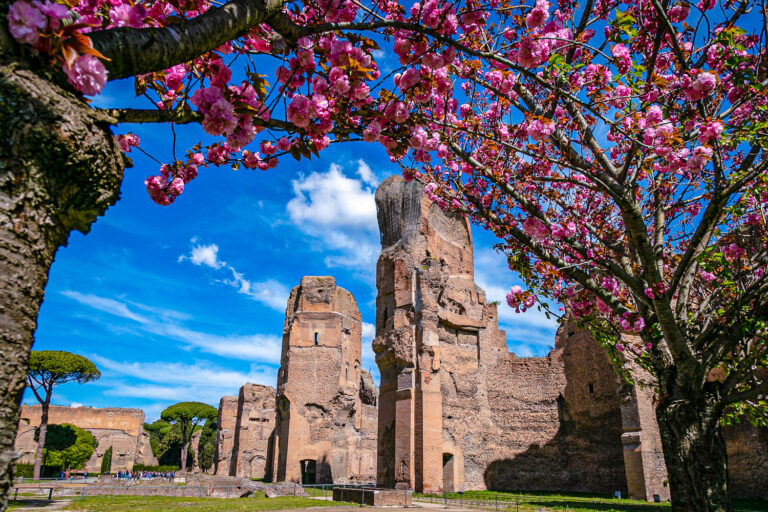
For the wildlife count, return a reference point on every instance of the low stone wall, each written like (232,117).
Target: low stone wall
(373,497)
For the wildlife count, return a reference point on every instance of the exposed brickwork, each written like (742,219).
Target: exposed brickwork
(323,426)
(122,429)
(457,411)
(254,431)
(225,437)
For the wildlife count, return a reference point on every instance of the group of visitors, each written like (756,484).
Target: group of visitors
(144,475)
(67,475)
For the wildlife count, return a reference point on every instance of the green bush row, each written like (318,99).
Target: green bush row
(159,469)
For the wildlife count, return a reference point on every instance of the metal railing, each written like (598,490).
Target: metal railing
(529,503)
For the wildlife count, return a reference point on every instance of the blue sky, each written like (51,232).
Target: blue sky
(187,302)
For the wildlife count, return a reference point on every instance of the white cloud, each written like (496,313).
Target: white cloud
(331,199)
(271,293)
(173,382)
(255,347)
(207,255)
(339,213)
(75,404)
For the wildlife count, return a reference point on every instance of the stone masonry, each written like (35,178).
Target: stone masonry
(326,404)
(254,432)
(122,429)
(458,411)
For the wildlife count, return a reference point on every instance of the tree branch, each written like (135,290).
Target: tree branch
(138,51)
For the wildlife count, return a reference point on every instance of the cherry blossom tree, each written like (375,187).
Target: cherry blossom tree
(616,147)
(618,151)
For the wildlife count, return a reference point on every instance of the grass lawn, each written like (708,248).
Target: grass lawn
(572,502)
(168,504)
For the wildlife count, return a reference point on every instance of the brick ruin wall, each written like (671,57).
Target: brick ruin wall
(325,408)
(458,411)
(122,429)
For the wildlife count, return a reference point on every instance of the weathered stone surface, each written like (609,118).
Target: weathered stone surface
(457,411)
(225,437)
(254,431)
(325,403)
(122,429)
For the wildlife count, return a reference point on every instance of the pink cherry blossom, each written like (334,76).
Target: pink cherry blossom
(538,16)
(299,111)
(733,252)
(128,141)
(25,21)
(535,228)
(532,52)
(710,131)
(87,74)
(678,13)
(540,129)
(702,87)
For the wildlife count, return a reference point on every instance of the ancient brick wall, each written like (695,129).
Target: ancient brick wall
(225,436)
(322,404)
(122,429)
(457,411)
(254,431)
(747,449)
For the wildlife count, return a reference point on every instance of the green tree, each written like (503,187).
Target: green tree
(157,430)
(68,446)
(207,446)
(106,462)
(188,415)
(48,368)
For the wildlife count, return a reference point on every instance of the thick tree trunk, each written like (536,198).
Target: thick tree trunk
(184,454)
(43,430)
(60,168)
(694,451)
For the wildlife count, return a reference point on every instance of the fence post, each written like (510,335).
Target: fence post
(201,491)
(16,494)
(362,496)
(114,491)
(50,494)
(228,492)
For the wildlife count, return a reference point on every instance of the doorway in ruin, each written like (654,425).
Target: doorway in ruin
(448,473)
(308,471)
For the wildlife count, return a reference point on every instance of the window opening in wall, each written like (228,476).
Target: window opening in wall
(316,341)
(591,389)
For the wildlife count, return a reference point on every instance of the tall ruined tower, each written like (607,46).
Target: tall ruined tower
(457,410)
(325,409)
(429,313)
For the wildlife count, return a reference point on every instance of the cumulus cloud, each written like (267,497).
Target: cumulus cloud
(207,255)
(271,293)
(256,347)
(339,213)
(528,334)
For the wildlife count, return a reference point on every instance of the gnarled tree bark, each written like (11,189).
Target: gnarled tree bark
(60,168)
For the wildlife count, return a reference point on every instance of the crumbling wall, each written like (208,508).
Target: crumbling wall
(122,429)
(320,410)
(254,431)
(225,436)
(456,410)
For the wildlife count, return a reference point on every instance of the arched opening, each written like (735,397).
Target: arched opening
(308,471)
(448,473)
(316,338)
